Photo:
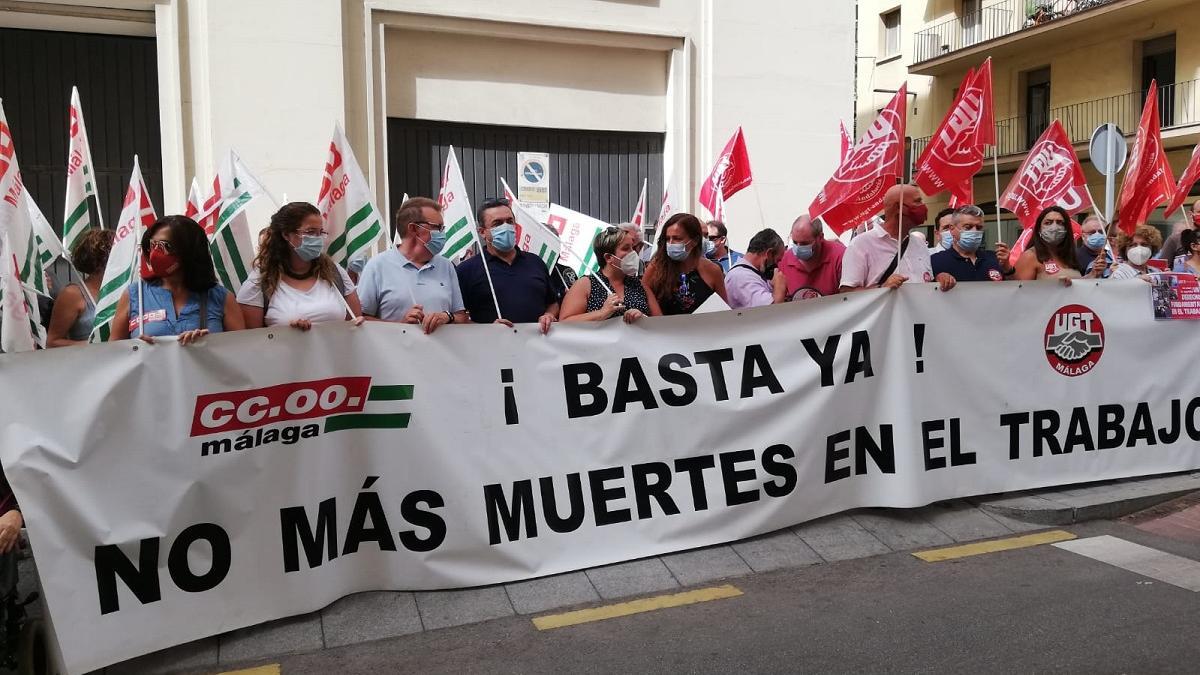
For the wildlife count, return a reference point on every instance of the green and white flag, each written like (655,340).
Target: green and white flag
(20,324)
(81,179)
(456,209)
(532,235)
(347,203)
(576,231)
(137,213)
(230,245)
(49,248)
(14,214)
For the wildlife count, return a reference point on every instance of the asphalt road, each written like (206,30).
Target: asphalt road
(1040,609)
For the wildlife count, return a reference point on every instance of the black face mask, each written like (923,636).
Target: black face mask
(768,271)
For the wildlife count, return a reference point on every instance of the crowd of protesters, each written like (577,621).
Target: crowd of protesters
(294,282)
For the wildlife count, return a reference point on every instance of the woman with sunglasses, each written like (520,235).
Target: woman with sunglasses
(1052,255)
(176,293)
(614,290)
(679,276)
(293,281)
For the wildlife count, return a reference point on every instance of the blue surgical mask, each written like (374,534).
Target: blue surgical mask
(947,239)
(311,247)
(356,265)
(1096,240)
(709,248)
(436,241)
(504,237)
(969,240)
(677,252)
(802,252)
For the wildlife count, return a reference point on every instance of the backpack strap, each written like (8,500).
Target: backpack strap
(887,272)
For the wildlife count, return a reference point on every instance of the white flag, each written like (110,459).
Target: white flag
(137,213)
(49,248)
(456,209)
(14,213)
(532,235)
(347,203)
(81,179)
(18,327)
(639,211)
(576,232)
(396,237)
(664,212)
(195,200)
(230,244)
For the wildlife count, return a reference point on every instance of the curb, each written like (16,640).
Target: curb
(1071,504)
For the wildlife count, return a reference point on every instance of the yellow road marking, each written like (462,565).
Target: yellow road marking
(635,607)
(272,669)
(994,545)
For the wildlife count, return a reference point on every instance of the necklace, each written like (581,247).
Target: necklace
(287,271)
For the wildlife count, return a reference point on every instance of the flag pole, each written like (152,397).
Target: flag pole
(996,182)
(488,273)
(758,198)
(899,227)
(138,271)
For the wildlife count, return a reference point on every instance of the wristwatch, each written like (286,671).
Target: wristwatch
(449,317)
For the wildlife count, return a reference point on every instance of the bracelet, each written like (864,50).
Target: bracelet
(449,317)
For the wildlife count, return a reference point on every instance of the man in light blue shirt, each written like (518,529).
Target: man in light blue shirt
(410,282)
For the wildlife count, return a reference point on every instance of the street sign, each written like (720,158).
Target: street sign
(533,179)
(1106,139)
(1107,151)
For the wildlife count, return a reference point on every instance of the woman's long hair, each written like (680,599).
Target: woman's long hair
(276,252)
(1064,251)
(662,274)
(189,243)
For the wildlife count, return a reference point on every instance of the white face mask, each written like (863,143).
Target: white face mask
(1138,255)
(630,264)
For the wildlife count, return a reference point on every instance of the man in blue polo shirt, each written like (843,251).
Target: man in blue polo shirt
(410,282)
(966,260)
(520,279)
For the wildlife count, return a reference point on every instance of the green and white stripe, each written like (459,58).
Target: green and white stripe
(347,203)
(119,271)
(363,227)
(456,209)
(231,249)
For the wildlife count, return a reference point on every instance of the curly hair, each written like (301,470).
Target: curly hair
(276,252)
(1064,250)
(190,244)
(90,253)
(1149,233)
(662,274)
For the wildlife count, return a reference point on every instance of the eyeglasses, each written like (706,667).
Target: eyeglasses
(426,225)
(714,237)
(312,233)
(162,245)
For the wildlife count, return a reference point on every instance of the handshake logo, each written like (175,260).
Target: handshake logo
(1074,340)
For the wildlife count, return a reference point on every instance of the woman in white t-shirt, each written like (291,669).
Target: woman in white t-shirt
(293,281)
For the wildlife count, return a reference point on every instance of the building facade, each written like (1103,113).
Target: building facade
(1083,62)
(615,92)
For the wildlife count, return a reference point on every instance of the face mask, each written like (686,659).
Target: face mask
(356,265)
(947,240)
(769,271)
(1138,255)
(803,252)
(436,241)
(504,237)
(1196,219)
(677,252)
(915,215)
(1053,234)
(709,248)
(310,247)
(969,240)
(162,264)
(1095,241)
(630,264)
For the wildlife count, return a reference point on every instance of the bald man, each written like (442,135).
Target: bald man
(870,259)
(812,265)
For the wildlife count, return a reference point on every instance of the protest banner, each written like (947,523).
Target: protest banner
(1175,296)
(187,491)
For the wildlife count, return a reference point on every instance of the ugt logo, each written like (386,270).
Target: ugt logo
(1074,340)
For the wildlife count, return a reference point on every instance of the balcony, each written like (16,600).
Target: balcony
(1178,113)
(1012,27)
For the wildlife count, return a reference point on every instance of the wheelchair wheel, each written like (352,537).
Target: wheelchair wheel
(31,649)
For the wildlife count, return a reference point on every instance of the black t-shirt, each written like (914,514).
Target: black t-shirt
(523,288)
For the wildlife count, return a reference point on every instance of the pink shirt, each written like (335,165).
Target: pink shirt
(819,276)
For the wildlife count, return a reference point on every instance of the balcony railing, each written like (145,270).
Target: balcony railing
(991,22)
(1178,106)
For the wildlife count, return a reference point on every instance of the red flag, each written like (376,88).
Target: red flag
(846,141)
(955,151)
(1190,175)
(730,174)
(855,192)
(1049,176)
(1148,180)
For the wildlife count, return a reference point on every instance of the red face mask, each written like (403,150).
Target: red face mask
(915,215)
(161,264)
(1196,219)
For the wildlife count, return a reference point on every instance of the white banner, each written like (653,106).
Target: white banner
(188,491)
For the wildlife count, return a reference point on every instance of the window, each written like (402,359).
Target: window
(891,33)
(1158,63)
(972,21)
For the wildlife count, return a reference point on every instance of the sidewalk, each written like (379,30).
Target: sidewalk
(862,533)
